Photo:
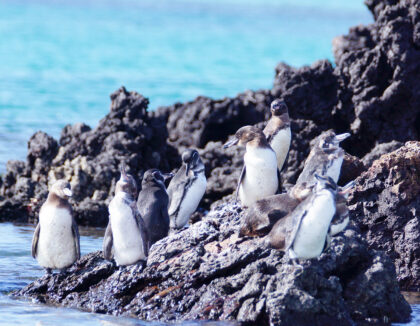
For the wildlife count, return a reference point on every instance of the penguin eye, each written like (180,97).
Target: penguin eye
(157,176)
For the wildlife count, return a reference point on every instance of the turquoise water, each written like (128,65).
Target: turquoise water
(59,60)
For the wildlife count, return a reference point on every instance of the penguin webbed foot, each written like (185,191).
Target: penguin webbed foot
(48,271)
(63,271)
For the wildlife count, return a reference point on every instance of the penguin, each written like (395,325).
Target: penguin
(311,221)
(186,189)
(126,235)
(261,216)
(56,241)
(259,177)
(325,158)
(152,204)
(277,131)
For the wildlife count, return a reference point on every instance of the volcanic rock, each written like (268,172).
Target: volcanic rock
(208,272)
(385,203)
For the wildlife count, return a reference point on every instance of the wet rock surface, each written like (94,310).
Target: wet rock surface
(208,272)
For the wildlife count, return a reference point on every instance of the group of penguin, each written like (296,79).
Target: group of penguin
(313,210)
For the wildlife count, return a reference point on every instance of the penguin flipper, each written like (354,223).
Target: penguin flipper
(177,194)
(76,235)
(142,228)
(35,241)
(108,242)
(241,178)
(144,236)
(279,188)
(297,219)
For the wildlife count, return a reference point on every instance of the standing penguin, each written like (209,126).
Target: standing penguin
(152,204)
(259,176)
(186,189)
(56,241)
(277,131)
(325,158)
(126,235)
(312,220)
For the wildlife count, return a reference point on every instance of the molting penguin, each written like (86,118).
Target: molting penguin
(126,235)
(259,176)
(260,217)
(56,241)
(325,158)
(186,189)
(312,220)
(153,204)
(277,131)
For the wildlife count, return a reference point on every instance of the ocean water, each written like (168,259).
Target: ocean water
(60,60)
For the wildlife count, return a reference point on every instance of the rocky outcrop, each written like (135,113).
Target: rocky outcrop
(376,69)
(386,206)
(90,160)
(208,272)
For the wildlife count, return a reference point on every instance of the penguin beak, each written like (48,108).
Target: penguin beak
(67,192)
(346,189)
(341,137)
(167,176)
(230,143)
(123,172)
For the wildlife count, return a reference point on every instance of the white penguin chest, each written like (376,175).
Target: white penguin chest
(190,201)
(280,143)
(260,178)
(334,169)
(310,238)
(56,243)
(127,238)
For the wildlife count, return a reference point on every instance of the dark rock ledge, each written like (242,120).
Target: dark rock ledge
(208,272)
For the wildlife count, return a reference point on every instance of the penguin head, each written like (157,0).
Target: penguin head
(62,189)
(278,108)
(154,177)
(301,191)
(245,135)
(191,159)
(329,140)
(127,183)
(325,182)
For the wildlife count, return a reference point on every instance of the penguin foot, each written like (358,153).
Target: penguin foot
(48,271)
(63,271)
